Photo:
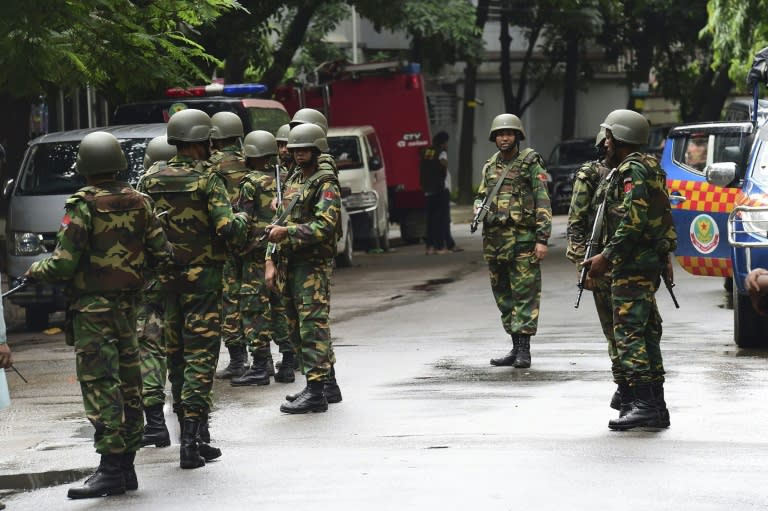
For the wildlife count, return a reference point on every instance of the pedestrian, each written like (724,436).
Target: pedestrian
(589,189)
(639,237)
(203,228)
(101,317)
(441,140)
(433,173)
(516,231)
(149,327)
(306,245)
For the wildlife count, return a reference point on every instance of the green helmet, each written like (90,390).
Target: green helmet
(308,135)
(600,137)
(506,122)
(226,125)
(189,125)
(100,153)
(309,115)
(627,126)
(258,144)
(158,149)
(282,133)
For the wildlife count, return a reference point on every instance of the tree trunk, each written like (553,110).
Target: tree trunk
(504,69)
(570,87)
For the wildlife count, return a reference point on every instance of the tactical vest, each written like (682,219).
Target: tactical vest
(181,190)
(115,257)
(231,166)
(515,202)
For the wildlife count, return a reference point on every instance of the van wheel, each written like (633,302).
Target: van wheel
(344,259)
(748,325)
(35,318)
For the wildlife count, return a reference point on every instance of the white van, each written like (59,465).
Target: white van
(357,152)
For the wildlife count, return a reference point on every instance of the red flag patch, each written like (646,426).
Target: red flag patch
(628,185)
(65,221)
(329,195)
(543,177)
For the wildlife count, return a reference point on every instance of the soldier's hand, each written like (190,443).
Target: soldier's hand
(5,356)
(277,233)
(753,281)
(598,266)
(270,274)
(540,251)
(273,204)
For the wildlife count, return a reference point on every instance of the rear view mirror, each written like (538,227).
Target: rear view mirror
(374,163)
(721,174)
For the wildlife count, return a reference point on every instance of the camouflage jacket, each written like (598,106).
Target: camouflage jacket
(639,232)
(199,221)
(230,163)
(520,212)
(586,198)
(255,196)
(108,235)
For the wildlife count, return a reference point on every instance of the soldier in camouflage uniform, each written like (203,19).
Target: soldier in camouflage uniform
(304,259)
(103,284)
(284,155)
(516,231)
(199,222)
(639,236)
(227,159)
(149,328)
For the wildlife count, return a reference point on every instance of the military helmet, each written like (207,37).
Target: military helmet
(158,149)
(600,137)
(100,153)
(189,125)
(506,122)
(628,126)
(259,143)
(226,125)
(282,133)
(308,135)
(311,116)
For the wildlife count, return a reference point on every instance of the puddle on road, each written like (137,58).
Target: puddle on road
(27,482)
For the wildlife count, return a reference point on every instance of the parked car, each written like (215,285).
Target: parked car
(564,160)
(345,244)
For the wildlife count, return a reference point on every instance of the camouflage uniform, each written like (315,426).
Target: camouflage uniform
(589,189)
(519,217)
(101,250)
(199,221)
(305,263)
(639,236)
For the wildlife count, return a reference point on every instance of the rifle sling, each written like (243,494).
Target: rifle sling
(525,153)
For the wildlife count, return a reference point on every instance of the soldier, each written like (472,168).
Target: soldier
(304,258)
(285,158)
(101,322)
(228,160)
(199,222)
(639,238)
(149,328)
(515,233)
(588,194)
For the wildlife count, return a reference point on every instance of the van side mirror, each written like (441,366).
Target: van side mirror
(7,188)
(374,163)
(721,174)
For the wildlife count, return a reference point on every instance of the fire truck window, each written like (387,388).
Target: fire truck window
(346,152)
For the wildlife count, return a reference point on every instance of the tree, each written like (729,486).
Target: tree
(736,29)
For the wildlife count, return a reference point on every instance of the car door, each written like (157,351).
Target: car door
(699,208)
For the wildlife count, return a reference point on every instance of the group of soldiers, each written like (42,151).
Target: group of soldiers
(226,237)
(620,231)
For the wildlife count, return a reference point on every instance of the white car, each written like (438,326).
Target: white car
(345,245)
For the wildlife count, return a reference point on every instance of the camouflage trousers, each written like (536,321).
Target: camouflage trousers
(601,292)
(255,312)
(192,332)
(149,330)
(637,327)
(231,321)
(307,291)
(107,361)
(516,286)
(286,338)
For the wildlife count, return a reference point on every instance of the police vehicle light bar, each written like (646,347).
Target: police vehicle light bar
(216,89)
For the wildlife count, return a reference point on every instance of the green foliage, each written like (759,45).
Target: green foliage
(737,29)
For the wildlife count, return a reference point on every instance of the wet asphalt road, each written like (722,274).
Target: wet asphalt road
(426,422)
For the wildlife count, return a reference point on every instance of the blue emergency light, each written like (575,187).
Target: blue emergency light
(217,89)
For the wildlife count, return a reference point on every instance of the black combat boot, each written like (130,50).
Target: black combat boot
(270,365)
(107,480)
(312,399)
(129,471)
(523,359)
(644,412)
(509,358)
(331,388)
(661,404)
(189,451)
(285,371)
(155,430)
(206,450)
(257,374)
(238,359)
(622,399)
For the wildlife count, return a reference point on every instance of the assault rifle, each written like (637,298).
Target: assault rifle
(279,197)
(24,282)
(486,205)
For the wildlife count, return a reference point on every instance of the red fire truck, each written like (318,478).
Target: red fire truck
(391,98)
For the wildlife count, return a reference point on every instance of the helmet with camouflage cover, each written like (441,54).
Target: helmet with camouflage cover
(100,153)
(282,133)
(226,125)
(628,126)
(311,116)
(158,149)
(258,144)
(506,122)
(189,125)
(308,135)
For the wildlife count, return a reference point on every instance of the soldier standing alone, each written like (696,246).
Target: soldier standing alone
(515,233)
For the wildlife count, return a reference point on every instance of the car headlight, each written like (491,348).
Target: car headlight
(27,243)
(755,222)
(362,200)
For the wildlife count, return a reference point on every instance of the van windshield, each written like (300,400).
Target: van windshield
(50,168)
(346,152)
